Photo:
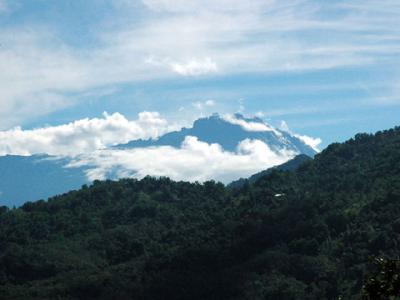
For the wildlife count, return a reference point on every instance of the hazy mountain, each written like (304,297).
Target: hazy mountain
(229,132)
(28,178)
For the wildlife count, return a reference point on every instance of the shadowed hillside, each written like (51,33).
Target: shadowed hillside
(303,234)
(290,165)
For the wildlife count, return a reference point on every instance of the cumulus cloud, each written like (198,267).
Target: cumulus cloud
(250,125)
(193,161)
(82,136)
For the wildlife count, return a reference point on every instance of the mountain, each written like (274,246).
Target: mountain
(41,176)
(290,165)
(29,178)
(159,239)
(228,132)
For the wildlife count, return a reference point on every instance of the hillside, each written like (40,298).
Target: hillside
(303,234)
(290,165)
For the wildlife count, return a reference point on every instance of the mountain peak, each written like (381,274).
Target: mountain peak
(239,116)
(229,131)
(224,117)
(236,119)
(254,119)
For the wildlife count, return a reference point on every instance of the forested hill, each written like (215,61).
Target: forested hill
(290,165)
(303,234)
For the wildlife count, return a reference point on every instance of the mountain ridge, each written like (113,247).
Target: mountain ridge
(217,129)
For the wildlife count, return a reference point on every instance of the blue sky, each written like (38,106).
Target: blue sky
(329,69)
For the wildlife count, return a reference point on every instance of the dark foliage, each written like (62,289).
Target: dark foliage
(384,283)
(304,234)
(290,165)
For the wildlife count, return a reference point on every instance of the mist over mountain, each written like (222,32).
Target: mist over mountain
(199,150)
(228,131)
(30,178)
(219,147)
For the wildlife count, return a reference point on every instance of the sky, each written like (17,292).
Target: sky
(325,69)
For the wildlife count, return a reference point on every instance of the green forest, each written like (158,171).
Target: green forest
(309,233)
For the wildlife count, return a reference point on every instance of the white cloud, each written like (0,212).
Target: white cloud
(15,109)
(194,161)
(284,126)
(183,6)
(245,36)
(209,103)
(250,125)
(202,105)
(191,38)
(310,141)
(260,114)
(190,67)
(82,136)
(38,74)
(195,67)
(198,105)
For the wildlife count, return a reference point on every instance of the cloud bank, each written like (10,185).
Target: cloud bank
(194,161)
(86,143)
(83,136)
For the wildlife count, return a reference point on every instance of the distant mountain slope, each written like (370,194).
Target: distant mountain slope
(229,133)
(156,239)
(290,165)
(28,178)
(31,178)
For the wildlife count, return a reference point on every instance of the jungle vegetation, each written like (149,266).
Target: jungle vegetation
(306,233)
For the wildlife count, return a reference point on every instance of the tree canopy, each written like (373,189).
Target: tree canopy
(295,234)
